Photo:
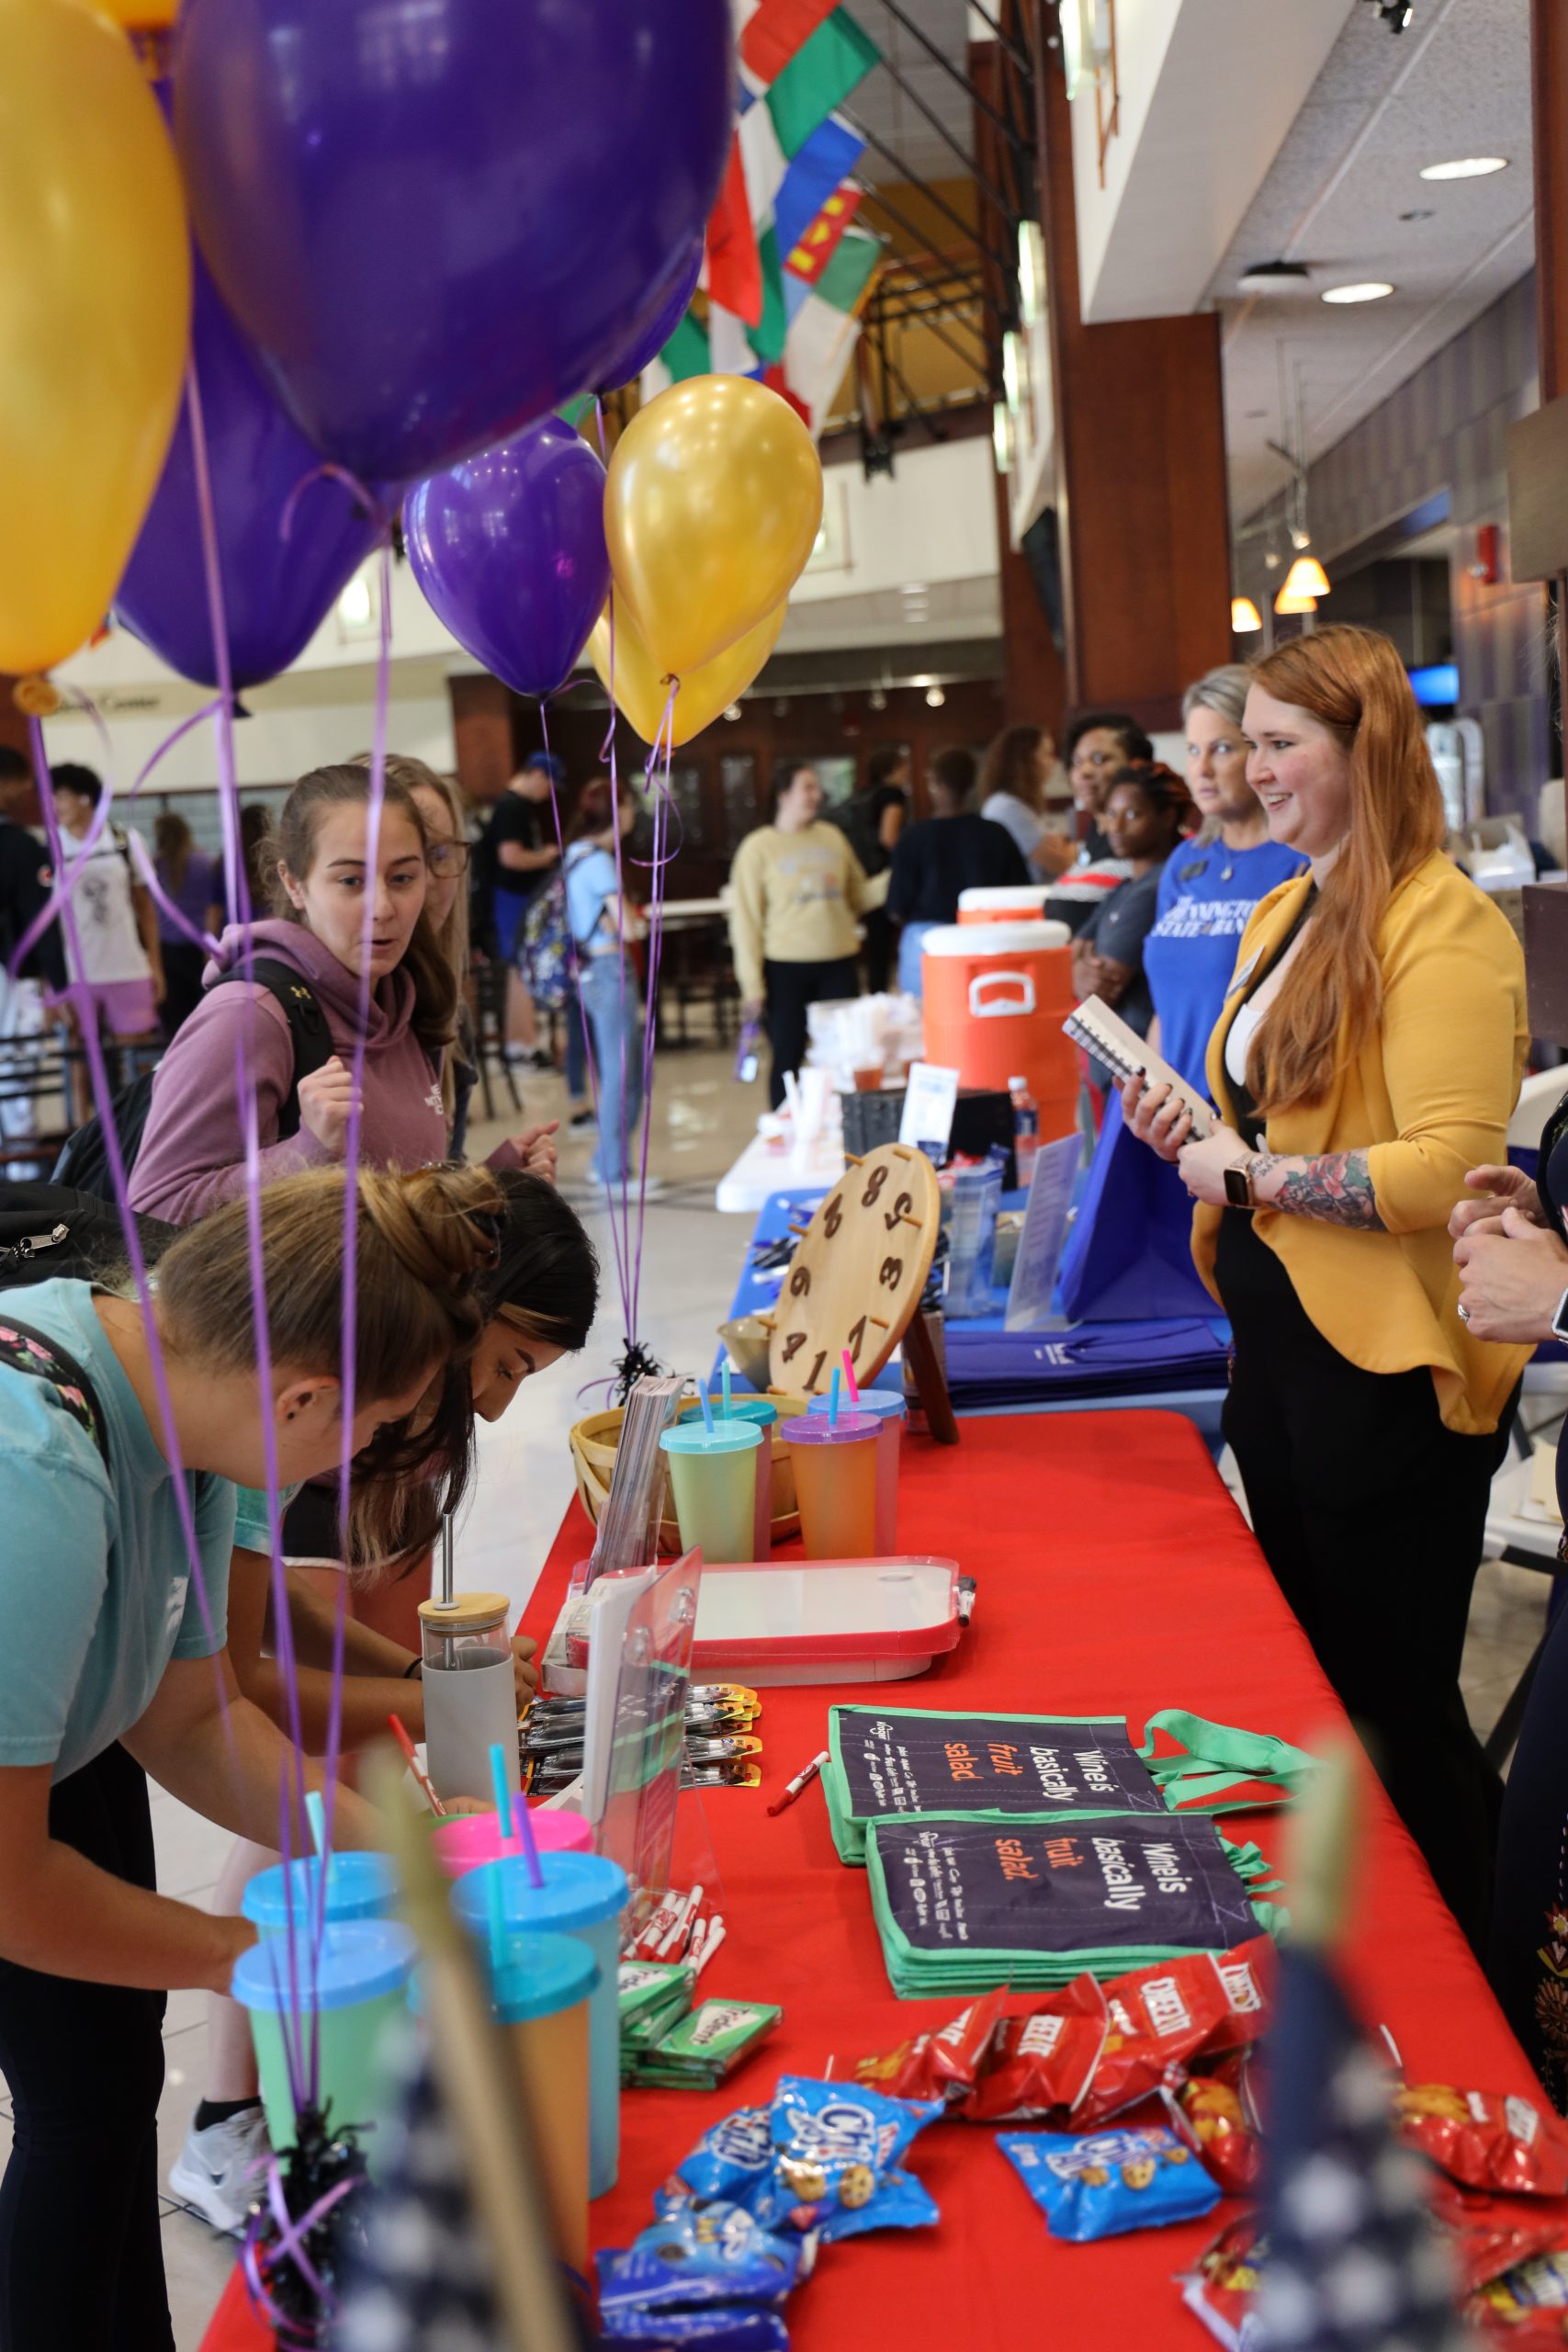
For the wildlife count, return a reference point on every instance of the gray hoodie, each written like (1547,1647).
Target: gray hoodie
(192,1153)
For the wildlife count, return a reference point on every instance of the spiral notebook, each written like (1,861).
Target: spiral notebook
(1106,1035)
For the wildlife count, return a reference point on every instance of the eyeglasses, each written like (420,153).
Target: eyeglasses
(445,858)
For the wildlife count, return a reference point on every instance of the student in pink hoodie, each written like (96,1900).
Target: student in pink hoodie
(192,1151)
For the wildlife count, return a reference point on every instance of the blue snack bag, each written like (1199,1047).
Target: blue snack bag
(1112,2181)
(900,2202)
(723,2327)
(730,2160)
(833,2147)
(706,2252)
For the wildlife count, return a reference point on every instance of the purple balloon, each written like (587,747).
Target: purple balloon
(276,591)
(438,219)
(647,346)
(508,548)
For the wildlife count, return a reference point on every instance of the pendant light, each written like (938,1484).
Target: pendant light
(1246,618)
(1306,577)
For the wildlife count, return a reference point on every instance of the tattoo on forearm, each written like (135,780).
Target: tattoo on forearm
(1336,1190)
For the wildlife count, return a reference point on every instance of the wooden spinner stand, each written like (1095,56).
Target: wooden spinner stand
(856,1279)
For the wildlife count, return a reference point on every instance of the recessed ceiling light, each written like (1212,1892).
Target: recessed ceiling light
(1373,290)
(935,697)
(914,588)
(1465,167)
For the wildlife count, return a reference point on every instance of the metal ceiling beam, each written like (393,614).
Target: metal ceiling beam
(1020,58)
(955,73)
(1003,203)
(891,155)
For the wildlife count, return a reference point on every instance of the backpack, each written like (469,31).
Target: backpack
(49,1232)
(83,1164)
(544,949)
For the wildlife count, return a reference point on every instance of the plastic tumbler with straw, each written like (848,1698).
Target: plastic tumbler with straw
(891,1408)
(584,1895)
(353,1981)
(835,1480)
(713,1472)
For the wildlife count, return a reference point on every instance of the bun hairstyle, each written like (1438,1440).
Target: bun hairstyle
(293,844)
(1353,683)
(426,1243)
(545,1280)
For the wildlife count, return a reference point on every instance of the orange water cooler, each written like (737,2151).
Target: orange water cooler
(1017,902)
(996,995)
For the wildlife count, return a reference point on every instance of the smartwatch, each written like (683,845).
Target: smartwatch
(1238,1185)
(1560,1319)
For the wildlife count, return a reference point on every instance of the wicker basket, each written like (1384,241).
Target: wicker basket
(593,1442)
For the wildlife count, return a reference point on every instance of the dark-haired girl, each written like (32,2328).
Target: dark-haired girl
(1144,817)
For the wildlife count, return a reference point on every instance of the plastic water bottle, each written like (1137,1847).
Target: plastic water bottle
(1025,1130)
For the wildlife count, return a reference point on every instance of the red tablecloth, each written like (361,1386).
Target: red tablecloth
(1114,1575)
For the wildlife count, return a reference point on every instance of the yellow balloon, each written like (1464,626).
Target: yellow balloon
(642,689)
(95,320)
(139,16)
(712,506)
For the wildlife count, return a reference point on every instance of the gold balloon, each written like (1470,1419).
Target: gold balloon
(642,688)
(139,16)
(95,320)
(712,503)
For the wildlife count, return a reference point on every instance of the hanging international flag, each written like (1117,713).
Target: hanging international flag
(816,249)
(818,77)
(826,161)
(775,29)
(824,323)
(734,272)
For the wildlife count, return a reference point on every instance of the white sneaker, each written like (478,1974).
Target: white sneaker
(216,2171)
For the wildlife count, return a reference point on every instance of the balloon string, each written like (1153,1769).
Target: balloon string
(208,710)
(327,471)
(238,893)
(80,994)
(662,804)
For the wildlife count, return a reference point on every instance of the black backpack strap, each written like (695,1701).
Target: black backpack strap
(308,1030)
(25,1349)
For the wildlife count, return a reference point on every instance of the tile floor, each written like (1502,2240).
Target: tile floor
(701,1120)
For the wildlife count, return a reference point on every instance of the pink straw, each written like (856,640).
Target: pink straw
(850,1377)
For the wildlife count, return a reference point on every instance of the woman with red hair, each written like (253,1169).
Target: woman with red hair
(1368,1055)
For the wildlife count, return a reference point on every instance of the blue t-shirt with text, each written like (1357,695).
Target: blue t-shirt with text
(1206,899)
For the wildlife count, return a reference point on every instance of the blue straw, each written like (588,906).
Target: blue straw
(707,1408)
(502,1793)
(724,1379)
(497,1921)
(317,1814)
(833,1399)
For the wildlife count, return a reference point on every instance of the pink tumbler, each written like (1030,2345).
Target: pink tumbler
(471,1839)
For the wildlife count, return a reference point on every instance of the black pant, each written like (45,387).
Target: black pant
(881,949)
(1527,1959)
(789,989)
(184,963)
(81,2253)
(1370,1514)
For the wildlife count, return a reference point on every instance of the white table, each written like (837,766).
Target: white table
(765,1168)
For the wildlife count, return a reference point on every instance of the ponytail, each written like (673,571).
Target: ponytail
(424,1243)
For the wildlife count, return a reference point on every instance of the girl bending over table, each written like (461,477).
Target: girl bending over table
(112,1663)
(539,1300)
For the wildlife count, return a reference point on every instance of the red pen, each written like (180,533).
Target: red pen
(400,1734)
(800,1783)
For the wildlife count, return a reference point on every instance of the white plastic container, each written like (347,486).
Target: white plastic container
(826,1621)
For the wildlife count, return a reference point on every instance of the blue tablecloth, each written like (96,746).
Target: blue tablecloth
(1175,1362)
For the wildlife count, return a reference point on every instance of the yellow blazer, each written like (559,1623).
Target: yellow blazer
(1428,1095)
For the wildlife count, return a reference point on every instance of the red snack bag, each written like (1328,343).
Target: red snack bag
(1160,2017)
(1044,2061)
(937,2065)
(1217,2117)
(1529,2305)
(1487,2139)
(1222,2289)
(1250,1975)
(1489,2234)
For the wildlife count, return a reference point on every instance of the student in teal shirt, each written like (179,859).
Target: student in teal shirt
(112,1663)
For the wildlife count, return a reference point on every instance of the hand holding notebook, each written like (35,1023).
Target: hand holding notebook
(1106,1035)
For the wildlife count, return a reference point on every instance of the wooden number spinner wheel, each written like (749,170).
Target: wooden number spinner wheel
(856,1279)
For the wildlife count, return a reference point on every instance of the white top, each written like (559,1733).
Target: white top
(1027,829)
(105,916)
(1239,1044)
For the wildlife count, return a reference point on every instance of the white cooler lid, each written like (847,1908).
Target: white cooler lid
(1012,894)
(993,938)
